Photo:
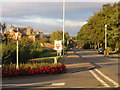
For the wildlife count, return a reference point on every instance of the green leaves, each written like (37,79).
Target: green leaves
(94,30)
(58,35)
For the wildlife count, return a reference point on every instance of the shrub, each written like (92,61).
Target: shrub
(8,52)
(32,69)
(26,50)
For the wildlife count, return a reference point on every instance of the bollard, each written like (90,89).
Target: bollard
(105,53)
(55,60)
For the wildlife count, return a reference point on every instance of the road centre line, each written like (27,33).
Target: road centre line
(99,79)
(106,77)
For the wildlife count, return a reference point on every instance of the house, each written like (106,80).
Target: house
(39,34)
(25,31)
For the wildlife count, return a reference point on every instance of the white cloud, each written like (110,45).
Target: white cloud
(32,1)
(16,9)
(40,20)
(92,0)
(60,0)
(35,19)
(74,23)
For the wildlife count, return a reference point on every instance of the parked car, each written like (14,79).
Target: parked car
(101,51)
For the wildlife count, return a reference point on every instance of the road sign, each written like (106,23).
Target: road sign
(57,45)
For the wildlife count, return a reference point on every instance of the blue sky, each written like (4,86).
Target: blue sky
(47,16)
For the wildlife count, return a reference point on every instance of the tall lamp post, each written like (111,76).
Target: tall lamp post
(105,37)
(63,24)
(17,33)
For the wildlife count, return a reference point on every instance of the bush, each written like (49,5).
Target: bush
(36,50)
(109,49)
(26,50)
(32,69)
(9,52)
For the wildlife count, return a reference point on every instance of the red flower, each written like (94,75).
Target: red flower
(27,71)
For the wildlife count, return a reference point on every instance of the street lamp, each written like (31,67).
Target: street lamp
(63,24)
(106,37)
(17,33)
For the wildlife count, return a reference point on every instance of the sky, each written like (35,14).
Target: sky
(48,16)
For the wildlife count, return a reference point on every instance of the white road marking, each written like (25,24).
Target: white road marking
(39,83)
(99,79)
(59,83)
(106,77)
(27,84)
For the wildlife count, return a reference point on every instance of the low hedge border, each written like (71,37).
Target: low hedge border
(34,71)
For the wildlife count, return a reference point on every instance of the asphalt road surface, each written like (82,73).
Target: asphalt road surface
(85,69)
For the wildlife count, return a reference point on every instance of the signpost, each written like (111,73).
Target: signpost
(17,33)
(58,48)
(58,45)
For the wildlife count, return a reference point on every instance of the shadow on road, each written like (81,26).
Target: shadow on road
(85,60)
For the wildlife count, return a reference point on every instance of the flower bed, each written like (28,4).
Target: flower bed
(35,69)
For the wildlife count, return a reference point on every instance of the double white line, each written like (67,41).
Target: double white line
(106,77)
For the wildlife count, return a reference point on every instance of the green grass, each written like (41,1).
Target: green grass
(48,54)
(48,61)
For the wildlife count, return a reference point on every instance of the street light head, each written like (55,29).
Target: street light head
(105,25)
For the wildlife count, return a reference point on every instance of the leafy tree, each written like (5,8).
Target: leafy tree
(58,35)
(9,52)
(94,31)
(4,27)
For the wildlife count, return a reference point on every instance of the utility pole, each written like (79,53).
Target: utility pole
(63,24)
(105,37)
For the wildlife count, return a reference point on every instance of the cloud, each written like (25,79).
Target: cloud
(74,23)
(43,9)
(41,20)
(92,0)
(34,19)
(47,16)
(73,26)
(61,0)
(47,25)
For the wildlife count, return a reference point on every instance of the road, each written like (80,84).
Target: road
(85,69)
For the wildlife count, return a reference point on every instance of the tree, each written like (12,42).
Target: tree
(4,27)
(94,31)
(58,35)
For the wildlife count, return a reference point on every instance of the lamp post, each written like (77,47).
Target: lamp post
(16,37)
(106,37)
(17,66)
(63,24)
